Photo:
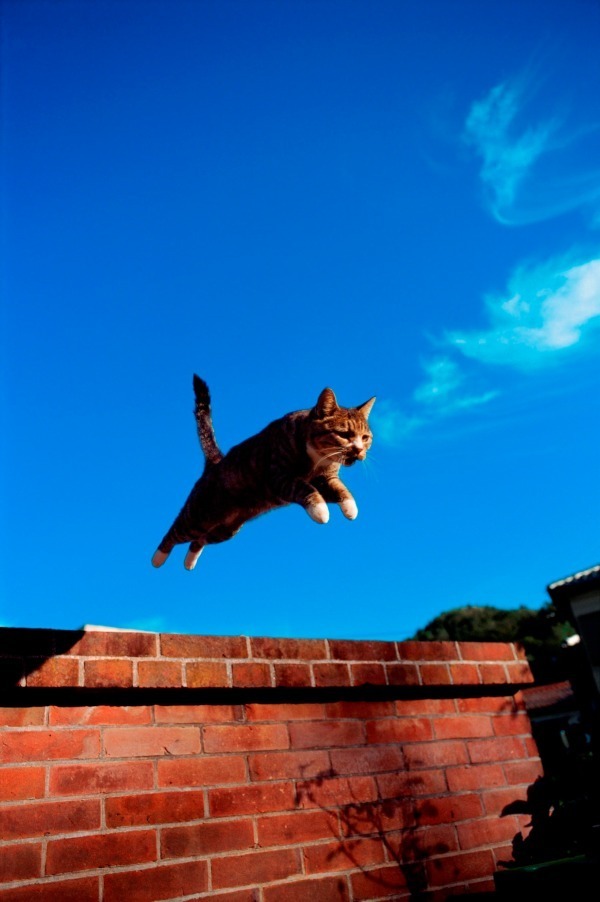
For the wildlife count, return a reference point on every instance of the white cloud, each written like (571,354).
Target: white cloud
(440,395)
(443,392)
(390,424)
(531,170)
(545,311)
(507,157)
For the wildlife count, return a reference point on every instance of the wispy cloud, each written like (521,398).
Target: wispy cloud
(445,390)
(443,393)
(546,310)
(391,424)
(531,170)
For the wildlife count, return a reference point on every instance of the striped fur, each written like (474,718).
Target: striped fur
(295,459)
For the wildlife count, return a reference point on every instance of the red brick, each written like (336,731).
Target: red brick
(245,737)
(86,779)
(86,890)
(426,843)
(43,745)
(399,729)
(296,827)
(367,760)
(368,674)
(515,724)
(424,706)
(361,710)
(18,783)
(360,650)
(201,771)
(448,809)
(288,765)
(474,777)
(206,839)
(486,651)
(465,674)
(408,784)
(198,714)
(434,674)
(254,869)
(427,651)
(172,646)
(206,675)
(251,674)
(40,818)
(116,645)
(435,754)
(157,883)
(496,799)
(331,674)
(114,672)
(402,674)
(100,715)
(343,855)
(22,717)
(502,748)
(326,734)
(85,853)
(486,832)
(292,675)
(463,867)
(21,861)
(525,772)
(154,808)
(493,674)
(59,671)
(285,711)
(462,727)
(163,674)
(139,742)
(289,649)
(490,704)
(519,672)
(531,747)
(329,792)
(320,889)
(258,798)
(379,883)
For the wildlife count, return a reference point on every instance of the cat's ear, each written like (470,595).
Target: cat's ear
(326,404)
(365,408)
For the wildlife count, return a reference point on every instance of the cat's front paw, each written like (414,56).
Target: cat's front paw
(319,512)
(349,508)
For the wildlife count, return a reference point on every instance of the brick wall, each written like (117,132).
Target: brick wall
(144,767)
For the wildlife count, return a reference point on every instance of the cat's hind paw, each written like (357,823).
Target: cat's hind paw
(349,508)
(191,558)
(159,557)
(319,512)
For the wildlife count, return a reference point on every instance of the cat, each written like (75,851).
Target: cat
(294,459)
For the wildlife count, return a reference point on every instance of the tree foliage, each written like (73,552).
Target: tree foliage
(541,633)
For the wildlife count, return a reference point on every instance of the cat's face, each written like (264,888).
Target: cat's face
(339,434)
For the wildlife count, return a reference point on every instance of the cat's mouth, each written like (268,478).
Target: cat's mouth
(352,457)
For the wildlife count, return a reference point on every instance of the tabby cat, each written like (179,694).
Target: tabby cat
(295,459)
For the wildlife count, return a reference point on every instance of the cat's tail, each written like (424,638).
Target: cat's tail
(206,433)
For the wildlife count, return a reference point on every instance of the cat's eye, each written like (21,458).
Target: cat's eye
(345,433)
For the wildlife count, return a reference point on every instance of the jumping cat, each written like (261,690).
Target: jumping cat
(294,459)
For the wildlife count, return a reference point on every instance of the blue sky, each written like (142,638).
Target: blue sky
(391,198)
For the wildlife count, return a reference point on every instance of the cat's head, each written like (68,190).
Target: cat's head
(339,434)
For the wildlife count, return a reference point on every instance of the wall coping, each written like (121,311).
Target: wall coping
(121,659)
